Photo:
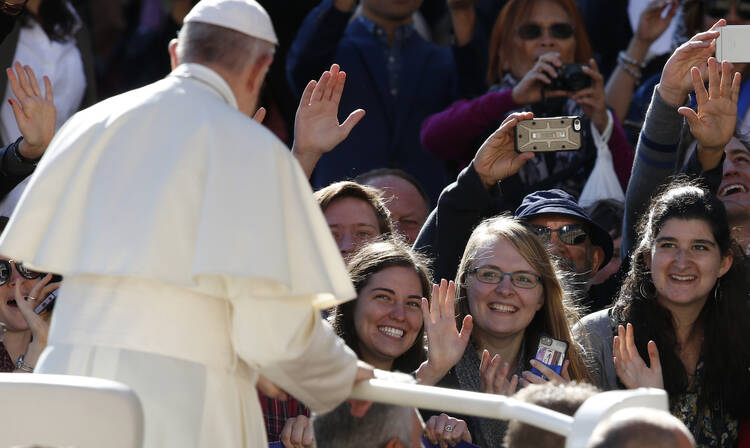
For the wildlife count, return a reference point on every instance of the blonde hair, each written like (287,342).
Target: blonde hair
(558,313)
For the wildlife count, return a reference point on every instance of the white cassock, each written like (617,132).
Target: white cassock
(193,253)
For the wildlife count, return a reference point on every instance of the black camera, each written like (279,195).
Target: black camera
(571,78)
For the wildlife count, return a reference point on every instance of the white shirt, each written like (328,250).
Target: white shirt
(61,62)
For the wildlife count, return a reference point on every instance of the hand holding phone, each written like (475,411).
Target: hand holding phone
(548,134)
(551,353)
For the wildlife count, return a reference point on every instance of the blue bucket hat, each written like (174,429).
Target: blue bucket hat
(558,202)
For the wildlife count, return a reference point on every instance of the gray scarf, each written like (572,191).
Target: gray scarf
(485,432)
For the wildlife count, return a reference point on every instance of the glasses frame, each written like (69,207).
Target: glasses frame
(535,31)
(509,274)
(544,233)
(25,273)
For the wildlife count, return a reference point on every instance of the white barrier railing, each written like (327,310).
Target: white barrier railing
(576,429)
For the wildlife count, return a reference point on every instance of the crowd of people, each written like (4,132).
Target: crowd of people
(223,275)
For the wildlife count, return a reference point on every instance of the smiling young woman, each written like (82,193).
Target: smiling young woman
(683,307)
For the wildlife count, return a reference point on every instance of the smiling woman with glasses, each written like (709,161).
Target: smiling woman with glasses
(508,293)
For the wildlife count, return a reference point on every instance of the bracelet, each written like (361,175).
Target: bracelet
(12,10)
(22,366)
(19,157)
(621,56)
(630,71)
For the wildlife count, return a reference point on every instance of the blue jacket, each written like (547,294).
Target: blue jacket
(388,135)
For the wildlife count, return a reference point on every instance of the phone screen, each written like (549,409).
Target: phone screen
(550,352)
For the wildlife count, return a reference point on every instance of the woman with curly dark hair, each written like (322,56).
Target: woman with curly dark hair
(683,307)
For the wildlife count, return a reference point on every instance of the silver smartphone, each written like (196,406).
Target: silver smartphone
(733,43)
(548,134)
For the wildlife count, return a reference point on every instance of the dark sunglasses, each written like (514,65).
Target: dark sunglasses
(6,271)
(720,8)
(571,234)
(531,31)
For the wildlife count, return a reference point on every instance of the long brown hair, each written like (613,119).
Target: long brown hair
(558,313)
(370,259)
(506,25)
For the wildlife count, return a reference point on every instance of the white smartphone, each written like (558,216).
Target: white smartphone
(733,44)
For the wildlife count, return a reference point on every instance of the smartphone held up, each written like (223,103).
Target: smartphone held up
(548,134)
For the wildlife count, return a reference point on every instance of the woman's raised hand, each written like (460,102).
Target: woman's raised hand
(631,369)
(593,100)
(35,113)
(493,376)
(529,88)
(676,80)
(497,158)
(549,374)
(445,344)
(445,430)
(713,123)
(652,22)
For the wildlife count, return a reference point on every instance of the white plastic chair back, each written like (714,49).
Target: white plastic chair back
(68,411)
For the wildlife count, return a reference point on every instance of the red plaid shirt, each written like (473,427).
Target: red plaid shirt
(276,413)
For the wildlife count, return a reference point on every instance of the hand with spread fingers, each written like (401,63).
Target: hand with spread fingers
(298,432)
(549,375)
(497,158)
(316,125)
(445,344)
(493,376)
(676,78)
(631,369)
(38,323)
(35,114)
(446,431)
(593,99)
(713,123)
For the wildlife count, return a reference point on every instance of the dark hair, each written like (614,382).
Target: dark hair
(724,317)
(57,18)
(370,259)
(369,176)
(506,26)
(558,314)
(348,189)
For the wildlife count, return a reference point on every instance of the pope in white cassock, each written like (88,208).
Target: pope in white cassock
(193,252)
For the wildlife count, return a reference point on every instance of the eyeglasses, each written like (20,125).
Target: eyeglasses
(571,234)
(6,271)
(531,31)
(720,8)
(521,279)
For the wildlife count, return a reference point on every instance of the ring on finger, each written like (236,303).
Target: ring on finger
(29,298)
(447,428)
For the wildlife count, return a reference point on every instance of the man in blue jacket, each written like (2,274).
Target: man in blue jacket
(394,74)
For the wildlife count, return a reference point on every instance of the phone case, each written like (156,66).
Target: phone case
(551,353)
(548,134)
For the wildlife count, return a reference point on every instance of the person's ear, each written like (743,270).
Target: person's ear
(172,48)
(597,256)
(257,73)
(394,443)
(726,263)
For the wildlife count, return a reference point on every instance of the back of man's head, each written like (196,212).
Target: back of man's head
(383,426)
(565,398)
(641,428)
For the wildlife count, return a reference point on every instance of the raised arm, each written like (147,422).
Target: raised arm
(473,197)
(656,154)
(626,75)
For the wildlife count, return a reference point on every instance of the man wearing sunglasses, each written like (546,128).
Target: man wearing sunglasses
(479,193)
